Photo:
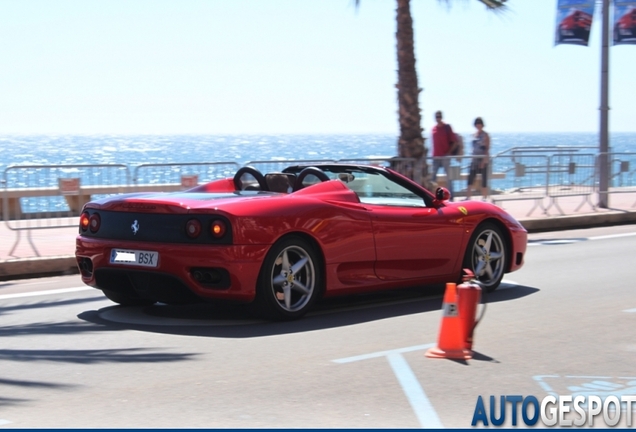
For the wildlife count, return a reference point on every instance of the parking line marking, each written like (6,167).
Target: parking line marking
(611,236)
(424,411)
(578,240)
(384,353)
(588,376)
(4,422)
(420,403)
(630,310)
(39,293)
(544,385)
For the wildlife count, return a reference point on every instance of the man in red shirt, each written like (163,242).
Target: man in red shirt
(443,146)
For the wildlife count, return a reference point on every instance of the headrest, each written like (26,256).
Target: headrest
(279,182)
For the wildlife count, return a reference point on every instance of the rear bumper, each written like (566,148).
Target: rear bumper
(172,279)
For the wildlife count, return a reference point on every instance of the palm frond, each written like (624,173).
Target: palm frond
(494,4)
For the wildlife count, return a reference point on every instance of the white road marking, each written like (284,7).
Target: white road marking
(561,241)
(587,385)
(542,383)
(45,292)
(422,407)
(414,392)
(4,422)
(588,376)
(384,353)
(611,236)
(578,240)
(630,310)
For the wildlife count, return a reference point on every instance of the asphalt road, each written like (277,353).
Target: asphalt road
(69,358)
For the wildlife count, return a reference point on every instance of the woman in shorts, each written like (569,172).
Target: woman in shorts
(481,158)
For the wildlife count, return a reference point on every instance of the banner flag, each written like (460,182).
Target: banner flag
(624,22)
(574,21)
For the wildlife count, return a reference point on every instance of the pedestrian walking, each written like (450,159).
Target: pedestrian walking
(481,159)
(444,143)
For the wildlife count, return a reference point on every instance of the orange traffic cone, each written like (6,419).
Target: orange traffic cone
(450,343)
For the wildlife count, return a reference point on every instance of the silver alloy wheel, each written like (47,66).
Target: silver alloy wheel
(293,278)
(487,258)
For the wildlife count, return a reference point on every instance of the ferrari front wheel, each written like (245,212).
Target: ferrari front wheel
(290,280)
(486,256)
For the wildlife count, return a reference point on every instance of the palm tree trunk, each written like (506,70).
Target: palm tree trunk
(411,142)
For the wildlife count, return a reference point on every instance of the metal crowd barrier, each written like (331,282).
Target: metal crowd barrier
(545,178)
(510,177)
(50,192)
(547,149)
(51,196)
(546,173)
(571,175)
(622,173)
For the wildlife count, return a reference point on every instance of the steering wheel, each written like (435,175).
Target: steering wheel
(238,183)
(309,171)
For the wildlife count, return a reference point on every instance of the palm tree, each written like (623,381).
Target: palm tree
(411,141)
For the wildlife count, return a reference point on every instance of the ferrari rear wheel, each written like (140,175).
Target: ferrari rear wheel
(486,255)
(290,280)
(126,300)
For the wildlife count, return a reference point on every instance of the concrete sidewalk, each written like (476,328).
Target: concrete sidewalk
(41,252)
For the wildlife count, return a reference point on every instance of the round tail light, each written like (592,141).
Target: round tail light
(84,221)
(94,222)
(193,228)
(218,228)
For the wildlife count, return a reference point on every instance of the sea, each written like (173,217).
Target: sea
(141,149)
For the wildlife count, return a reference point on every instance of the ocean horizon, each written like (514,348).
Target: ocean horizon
(187,148)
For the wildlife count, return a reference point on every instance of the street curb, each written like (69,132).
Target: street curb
(38,267)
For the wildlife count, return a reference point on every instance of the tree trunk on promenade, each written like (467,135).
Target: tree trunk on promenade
(411,141)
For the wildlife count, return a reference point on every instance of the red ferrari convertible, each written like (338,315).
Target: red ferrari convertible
(283,240)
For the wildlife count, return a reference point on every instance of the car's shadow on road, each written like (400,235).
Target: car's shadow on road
(239,321)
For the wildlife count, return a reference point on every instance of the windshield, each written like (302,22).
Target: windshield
(372,186)
(375,188)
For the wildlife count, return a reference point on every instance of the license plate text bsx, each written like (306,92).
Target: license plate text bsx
(134,257)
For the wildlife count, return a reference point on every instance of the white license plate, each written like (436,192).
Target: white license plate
(134,257)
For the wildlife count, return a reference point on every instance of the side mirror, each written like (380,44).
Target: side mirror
(442,194)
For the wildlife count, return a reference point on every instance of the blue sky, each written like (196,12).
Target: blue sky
(294,66)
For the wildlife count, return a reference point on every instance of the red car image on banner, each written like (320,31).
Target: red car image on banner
(574,28)
(624,23)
